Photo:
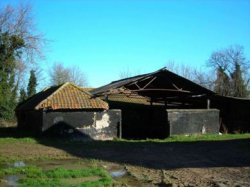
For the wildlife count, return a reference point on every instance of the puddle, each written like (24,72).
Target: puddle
(119,173)
(19,164)
(12,180)
(67,164)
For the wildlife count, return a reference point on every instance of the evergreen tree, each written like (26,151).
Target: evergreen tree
(23,95)
(239,88)
(10,51)
(20,44)
(31,89)
(222,83)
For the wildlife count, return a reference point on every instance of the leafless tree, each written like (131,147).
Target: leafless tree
(126,73)
(232,70)
(77,76)
(60,74)
(198,76)
(18,21)
(180,69)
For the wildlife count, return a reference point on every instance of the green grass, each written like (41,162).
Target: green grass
(36,177)
(14,140)
(207,137)
(176,138)
(194,137)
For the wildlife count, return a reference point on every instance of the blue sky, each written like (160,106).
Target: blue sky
(105,38)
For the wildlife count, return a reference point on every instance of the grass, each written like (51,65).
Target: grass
(194,137)
(35,176)
(14,140)
(176,138)
(88,177)
(75,146)
(207,137)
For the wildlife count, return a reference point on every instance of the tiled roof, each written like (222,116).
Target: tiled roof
(66,96)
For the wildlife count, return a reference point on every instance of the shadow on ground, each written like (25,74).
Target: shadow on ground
(155,155)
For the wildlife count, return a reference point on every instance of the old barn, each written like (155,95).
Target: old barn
(153,105)
(159,104)
(68,110)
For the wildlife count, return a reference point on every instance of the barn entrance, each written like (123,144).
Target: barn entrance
(142,121)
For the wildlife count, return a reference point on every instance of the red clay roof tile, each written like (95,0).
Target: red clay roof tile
(66,96)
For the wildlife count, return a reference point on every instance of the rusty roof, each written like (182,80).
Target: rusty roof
(65,96)
(159,86)
(137,99)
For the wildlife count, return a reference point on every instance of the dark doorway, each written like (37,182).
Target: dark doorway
(142,121)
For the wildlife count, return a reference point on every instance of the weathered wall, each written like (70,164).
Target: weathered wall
(192,121)
(94,125)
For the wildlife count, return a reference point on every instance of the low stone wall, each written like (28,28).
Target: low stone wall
(193,121)
(99,125)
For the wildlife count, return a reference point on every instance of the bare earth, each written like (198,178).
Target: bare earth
(217,163)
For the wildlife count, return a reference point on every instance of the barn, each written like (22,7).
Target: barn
(159,104)
(68,110)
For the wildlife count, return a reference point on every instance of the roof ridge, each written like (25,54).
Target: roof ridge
(79,88)
(52,94)
(86,92)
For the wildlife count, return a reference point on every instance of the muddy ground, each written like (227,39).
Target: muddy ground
(205,163)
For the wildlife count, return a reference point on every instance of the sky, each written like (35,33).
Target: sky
(107,37)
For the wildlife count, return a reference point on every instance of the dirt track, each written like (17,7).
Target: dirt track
(222,163)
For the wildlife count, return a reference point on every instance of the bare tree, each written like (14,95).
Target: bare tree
(232,70)
(20,45)
(204,78)
(196,75)
(19,21)
(126,73)
(77,76)
(60,74)
(180,69)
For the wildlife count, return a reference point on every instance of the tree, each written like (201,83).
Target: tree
(18,21)
(126,73)
(19,46)
(239,87)
(231,67)
(31,89)
(23,95)
(60,74)
(77,76)
(222,83)
(196,75)
(10,46)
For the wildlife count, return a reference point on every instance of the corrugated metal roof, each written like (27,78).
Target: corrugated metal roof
(66,96)
(160,84)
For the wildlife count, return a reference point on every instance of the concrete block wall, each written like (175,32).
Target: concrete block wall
(193,121)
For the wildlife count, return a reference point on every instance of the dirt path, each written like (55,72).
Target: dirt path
(194,176)
(221,163)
